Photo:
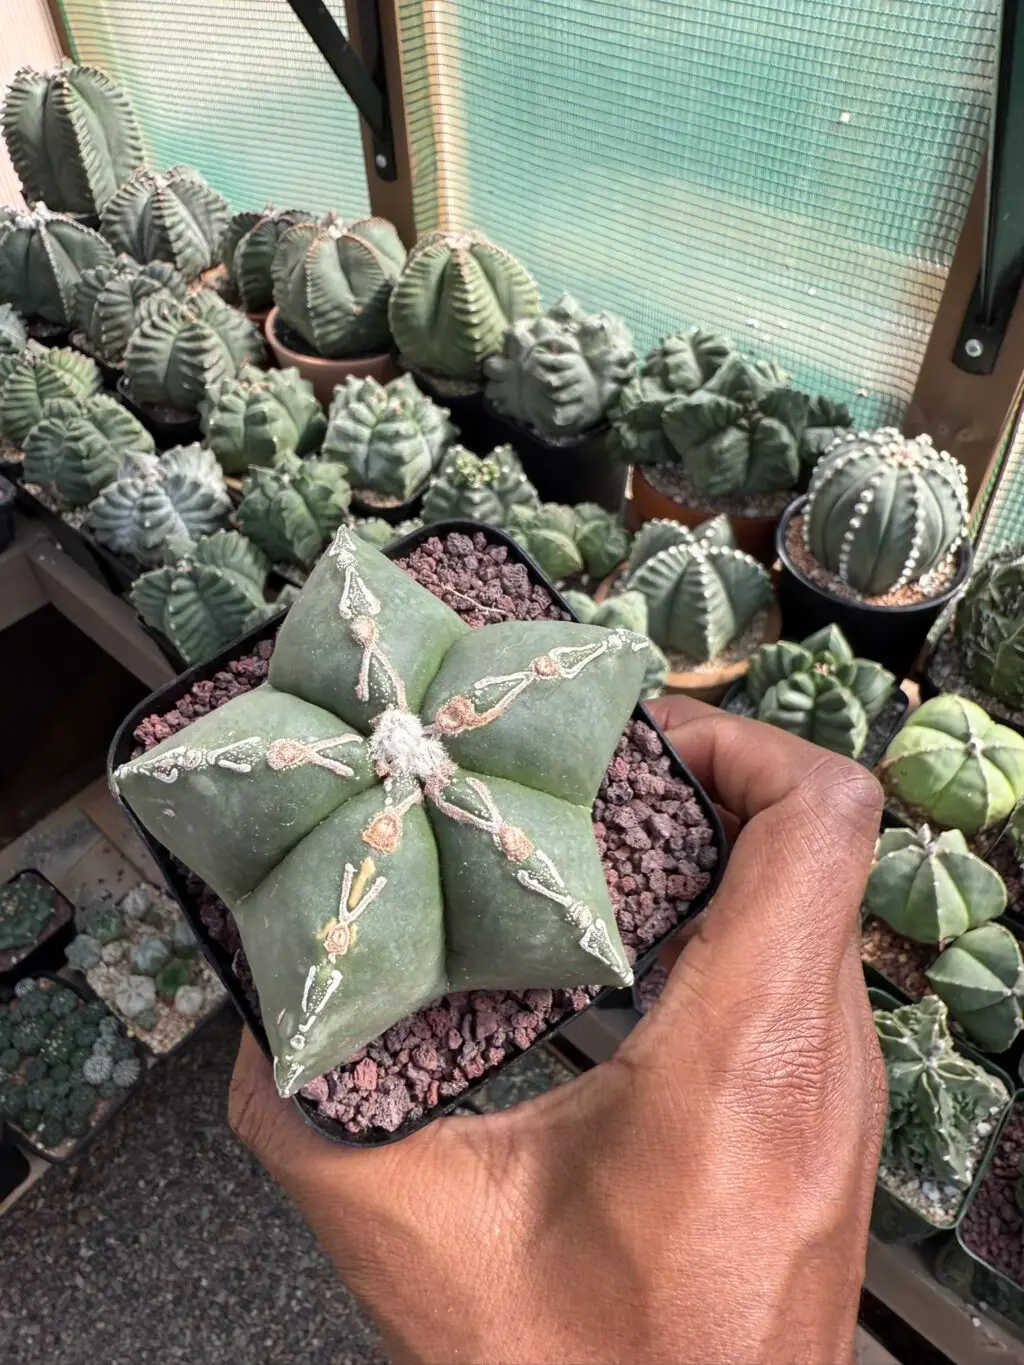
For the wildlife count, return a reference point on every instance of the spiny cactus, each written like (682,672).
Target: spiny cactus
(456,298)
(182,497)
(80,453)
(389,437)
(42,257)
(380,533)
(172,216)
(247,250)
(981,978)
(602,538)
(548,535)
(990,626)
(956,766)
(26,908)
(260,415)
(332,282)
(624,611)
(931,889)
(111,299)
(480,488)
(559,373)
(180,350)
(40,376)
(72,136)
(701,591)
(680,364)
(883,510)
(292,510)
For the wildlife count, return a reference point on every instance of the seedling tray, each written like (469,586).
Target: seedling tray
(47,952)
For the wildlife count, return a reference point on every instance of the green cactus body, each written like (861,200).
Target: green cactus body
(930,889)
(259,416)
(981,978)
(990,627)
(602,538)
(42,257)
(39,377)
(624,611)
(72,136)
(701,591)
(332,282)
(13,336)
(172,216)
(181,350)
(827,422)
(292,510)
(111,299)
(454,302)
(548,535)
(26,908)
(247,250)
(80,454)
(956,765)
(380,533)
(685,361)
(183,497)
(559,373)
(480,488)
(882,510)
(818,708)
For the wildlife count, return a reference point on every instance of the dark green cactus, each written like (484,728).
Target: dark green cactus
(26,907)
(624,611)
(548,535)
(247,251)
(827,422)
(260,415)
(292,510)
(481,488)
(111,299)
(602,538)
(931,889)
(380,533)
(40,376)
(79,455)
(981,978)
(990,626)
(685,361)
(172,216)
(42,257)
(680,364)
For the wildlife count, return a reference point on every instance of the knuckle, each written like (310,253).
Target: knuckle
(844,791)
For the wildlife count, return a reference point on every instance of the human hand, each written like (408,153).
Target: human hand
(701,1199)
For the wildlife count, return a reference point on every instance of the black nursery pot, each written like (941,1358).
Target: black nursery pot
(166,431)
(8,496)
(165,698)
(46,953)
(892,636)
(578,469)
(14,1165)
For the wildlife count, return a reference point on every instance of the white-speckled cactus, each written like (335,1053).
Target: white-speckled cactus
(292,510)
(38,376)
(170,216)
(931,888)
(79,452)
(110,300)
(247,251)
(480,488)
(42,257)
(259,416)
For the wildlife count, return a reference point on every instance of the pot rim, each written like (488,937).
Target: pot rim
(272,334)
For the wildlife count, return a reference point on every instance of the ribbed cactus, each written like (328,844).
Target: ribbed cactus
(260,415)
(172,216)
(883,510)
(454,302)
(180,350)
(624,611)
(990,626)
(931,889)
(389,437)
(981,979)
(701,591)
(42,257)
(332,282)
(205,595)
(380,533)
(247,250)
(602,538)
(482,488)
(110,300)
(559,373)
(680,364)
(548,535)
(827,422)
(292,510)
(37,377)
(182,497)
(13,334)
(72,136)
(685,361)
(957,766)
(80,453)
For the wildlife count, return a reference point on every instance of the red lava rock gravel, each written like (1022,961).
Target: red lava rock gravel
(993,1224)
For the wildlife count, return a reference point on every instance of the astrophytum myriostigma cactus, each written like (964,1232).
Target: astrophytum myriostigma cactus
(172,216)
(701,591)
(38,376)
(480,488)
(981,978)
(110,300)
(80,451)
(292,510)
(247,251)
(389,437)
(391,817)
(259,416)
(990,626)
(181,497)
(72,136)
(883,510)
(601,537)
(454,302)
(624,611)
(42,257)
(931,889)
(955,765)
(332,282)
(559,373)
(548,535)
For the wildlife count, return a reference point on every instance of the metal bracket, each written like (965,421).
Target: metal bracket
(364,84)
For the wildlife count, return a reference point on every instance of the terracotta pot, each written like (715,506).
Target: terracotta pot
(325,374)
(754,535)
(705,686)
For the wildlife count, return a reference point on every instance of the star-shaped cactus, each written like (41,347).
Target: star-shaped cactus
(402,809)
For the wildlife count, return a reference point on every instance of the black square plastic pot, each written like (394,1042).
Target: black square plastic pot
(14,1165)
(892,636)
(166,432)
(165,698)
(46,954)
(577,469)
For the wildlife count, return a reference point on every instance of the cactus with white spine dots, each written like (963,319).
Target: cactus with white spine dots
(42,257)
(480,488)
(79,453)
(292,510)
(38,376)
(623,611)
(110,300)
(259,416)
(171,215)
(247,251)
(931,888)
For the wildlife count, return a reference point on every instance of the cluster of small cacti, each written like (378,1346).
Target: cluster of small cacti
(80,448)
(624,611)
(38,376)
(42,258)
(989,628)
(172,216)
(247,252)
(26,908)
(111,299)
(481,488)
(294,508)
(257,416)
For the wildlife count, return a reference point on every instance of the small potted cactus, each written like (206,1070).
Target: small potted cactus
(76,449)
(42,257)
(35,924)
(624,611)
(292,510)
(109,302)
(259,416)
(35,378)
(247,252)
(480,488)
(879,544)
(172,216)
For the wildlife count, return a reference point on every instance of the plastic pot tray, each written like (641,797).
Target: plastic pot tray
(47,951)
(165,698)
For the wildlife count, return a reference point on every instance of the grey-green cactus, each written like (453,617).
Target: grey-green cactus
(111,299)
(981,978)
(827,422)
(332,282)
(260,415)
(480,488)
(40,376)
(548,535)
(685,361)
(181,349)
(624,611)
(990,626)
(680,364)
(72,136)
(99,918)
(135,998)
(454,302)
(292,510)
(172,216)
(701,591)
(956,766)
(389,437)
(602,538)
(559,373)
(80,453)
(247,251)
(931,889)
(883,510)
(13,336)
(380,533)
(26,907)
(182,497)
(42,257)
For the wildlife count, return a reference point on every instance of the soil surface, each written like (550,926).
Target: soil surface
(945,670)
(929,586)
(993,1225)
(899,959)
(671,482)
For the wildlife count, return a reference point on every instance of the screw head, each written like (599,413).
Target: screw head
(380,161)
(974,348)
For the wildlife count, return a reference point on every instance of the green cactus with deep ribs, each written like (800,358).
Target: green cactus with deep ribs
(931,888)
(980,976)
(72,136)
(482,488)
(111,299)
(79,452)
(247,251)
(548,535)
(602,538)
(390,438)
(260,416)
(989,626)
(292,510)
(42,257)
(827,423)
(457,296)
(172,216)
(26,908)
(302,805)
(332,282)
(39,376)
(624,611)
(883,510)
